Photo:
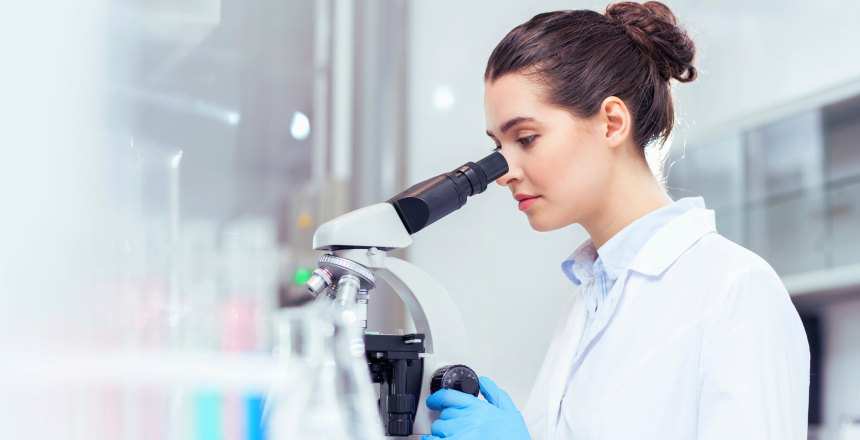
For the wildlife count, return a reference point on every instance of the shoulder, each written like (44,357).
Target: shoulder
(721,261)
(732,279)
(741,287)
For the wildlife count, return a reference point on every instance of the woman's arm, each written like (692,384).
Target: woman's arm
(754,365)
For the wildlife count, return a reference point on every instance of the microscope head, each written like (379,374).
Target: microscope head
(388,226)
(376,226)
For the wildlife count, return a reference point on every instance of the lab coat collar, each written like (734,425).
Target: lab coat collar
(671,241)
(662,249)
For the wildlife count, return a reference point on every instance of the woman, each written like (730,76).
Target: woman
(675,332)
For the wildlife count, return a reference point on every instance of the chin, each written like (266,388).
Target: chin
(542,224)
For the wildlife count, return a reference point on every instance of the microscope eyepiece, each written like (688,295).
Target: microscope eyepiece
(426,202)
(494,166)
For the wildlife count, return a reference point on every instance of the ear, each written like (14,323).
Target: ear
(617,118)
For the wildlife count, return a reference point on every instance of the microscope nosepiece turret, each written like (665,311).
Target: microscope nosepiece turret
(320,280)
(428,201)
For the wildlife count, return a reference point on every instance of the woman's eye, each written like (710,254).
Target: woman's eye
(526,140)
(498,148)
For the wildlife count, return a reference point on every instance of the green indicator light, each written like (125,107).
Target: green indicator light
(302,276)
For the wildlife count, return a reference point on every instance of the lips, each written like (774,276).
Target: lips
(525,201)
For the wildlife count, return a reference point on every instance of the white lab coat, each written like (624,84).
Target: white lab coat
(698,339)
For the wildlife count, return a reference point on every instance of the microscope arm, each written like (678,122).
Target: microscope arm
(430,307)
(433,312)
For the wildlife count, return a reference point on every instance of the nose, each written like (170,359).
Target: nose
(514,173)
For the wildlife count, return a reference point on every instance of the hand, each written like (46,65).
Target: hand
(464,416)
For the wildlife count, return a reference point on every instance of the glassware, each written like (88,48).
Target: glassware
(324,389)
(298,352)
(358,396)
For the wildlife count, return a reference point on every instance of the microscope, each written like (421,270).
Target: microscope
(408,367)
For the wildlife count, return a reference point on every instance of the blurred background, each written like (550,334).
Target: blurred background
(165,163)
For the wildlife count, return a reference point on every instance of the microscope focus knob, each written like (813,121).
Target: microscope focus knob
(455,377)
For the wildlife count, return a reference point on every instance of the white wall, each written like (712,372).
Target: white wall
(756,56)
(505,278)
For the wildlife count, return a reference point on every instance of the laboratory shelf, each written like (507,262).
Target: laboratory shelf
(824,286)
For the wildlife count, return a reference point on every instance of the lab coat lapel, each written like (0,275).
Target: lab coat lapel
(658,254)
(563,361)
(604,314)
(669,243)
(663,249)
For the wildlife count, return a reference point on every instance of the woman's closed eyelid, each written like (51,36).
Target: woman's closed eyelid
(523,141)
(526,140)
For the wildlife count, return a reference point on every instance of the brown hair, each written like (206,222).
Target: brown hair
(583,57)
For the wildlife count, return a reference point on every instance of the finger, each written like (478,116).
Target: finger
(496,395)
(453,413)
(450,399)
(450,428)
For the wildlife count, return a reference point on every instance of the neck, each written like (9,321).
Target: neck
(628,198)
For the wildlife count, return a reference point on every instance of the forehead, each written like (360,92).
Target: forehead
(511,96)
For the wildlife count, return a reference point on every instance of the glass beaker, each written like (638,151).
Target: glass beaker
(324,388)
(299,351)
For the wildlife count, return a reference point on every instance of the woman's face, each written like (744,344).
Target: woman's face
(559,164)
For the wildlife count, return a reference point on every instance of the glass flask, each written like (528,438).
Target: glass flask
(323,389)
(299,352)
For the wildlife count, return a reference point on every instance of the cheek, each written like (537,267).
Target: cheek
(567,168)
(570,178)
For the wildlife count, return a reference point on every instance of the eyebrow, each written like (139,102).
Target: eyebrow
(511,123)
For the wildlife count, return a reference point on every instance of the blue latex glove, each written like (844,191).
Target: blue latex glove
(465,417)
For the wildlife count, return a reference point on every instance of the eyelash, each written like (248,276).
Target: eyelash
(525,142)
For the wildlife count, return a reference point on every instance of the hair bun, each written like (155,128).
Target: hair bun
(654,29)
